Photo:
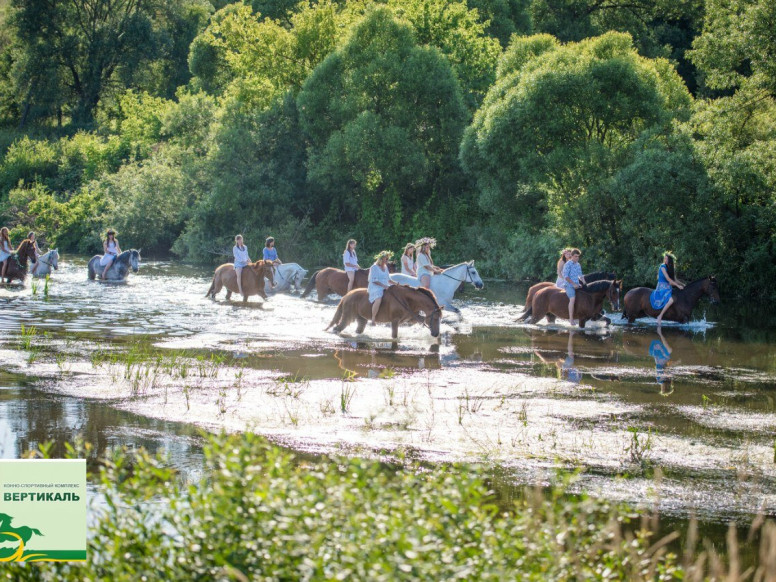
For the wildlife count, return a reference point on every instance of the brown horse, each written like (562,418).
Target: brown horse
(400,304)
(553,302)
(17,263)
(252,280)
(590,278)
(331,280)
(637,302)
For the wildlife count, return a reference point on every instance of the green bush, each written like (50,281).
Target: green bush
(258,513)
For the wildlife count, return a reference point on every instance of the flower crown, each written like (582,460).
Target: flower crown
(382,254)
(426,240)
(669,254)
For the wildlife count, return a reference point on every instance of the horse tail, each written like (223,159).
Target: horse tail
(337,315)
(92,272)
(211,291)
(310,284)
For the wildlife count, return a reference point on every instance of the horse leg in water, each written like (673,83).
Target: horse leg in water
(395,328)
(228,295)
(361,324)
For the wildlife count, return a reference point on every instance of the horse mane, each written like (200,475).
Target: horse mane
(600,276)
(597,286)
(427,292)
(423,291)
(24,243)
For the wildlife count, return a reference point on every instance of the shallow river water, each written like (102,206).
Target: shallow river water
(682,422)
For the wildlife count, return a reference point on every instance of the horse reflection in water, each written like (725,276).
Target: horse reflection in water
(363,359)
(566,368)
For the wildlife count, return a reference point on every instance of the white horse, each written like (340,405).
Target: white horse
(445,283)
(45,263)
(285,275)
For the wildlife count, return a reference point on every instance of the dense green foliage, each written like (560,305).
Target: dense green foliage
(259,514)
(504,128)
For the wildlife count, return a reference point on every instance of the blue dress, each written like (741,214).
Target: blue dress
(662,293)
(658,351)
(270,254)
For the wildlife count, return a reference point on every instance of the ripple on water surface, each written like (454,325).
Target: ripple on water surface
(526,396)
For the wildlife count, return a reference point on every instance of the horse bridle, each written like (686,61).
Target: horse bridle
(40,260)
(468,278)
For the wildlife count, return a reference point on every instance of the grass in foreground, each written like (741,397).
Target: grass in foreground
(259,514)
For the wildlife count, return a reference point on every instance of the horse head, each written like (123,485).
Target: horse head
(299,276)
(134,260)
(712,289)
(26,252)
(432,311)
(473,275)
(54,259)
(264,269)
(613,294)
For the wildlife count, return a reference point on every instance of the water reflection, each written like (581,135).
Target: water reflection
(660,350)
(566,368)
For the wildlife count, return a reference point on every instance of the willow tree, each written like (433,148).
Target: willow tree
(557,126)
(383,117)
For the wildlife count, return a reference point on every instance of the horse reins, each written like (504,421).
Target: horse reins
(406,307)
(464,280)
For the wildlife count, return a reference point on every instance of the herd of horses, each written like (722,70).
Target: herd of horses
(405,302)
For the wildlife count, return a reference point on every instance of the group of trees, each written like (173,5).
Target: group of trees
(505,128)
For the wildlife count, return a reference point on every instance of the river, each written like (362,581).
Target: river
(682,423)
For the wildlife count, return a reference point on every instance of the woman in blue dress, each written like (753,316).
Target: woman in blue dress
(662,297)
(270,252)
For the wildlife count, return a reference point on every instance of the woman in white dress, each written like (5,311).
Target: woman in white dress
(379,281)
(241,260)
(565,255)
(6,250)
(408,261)
(110,250)
(350,261)
(425,265)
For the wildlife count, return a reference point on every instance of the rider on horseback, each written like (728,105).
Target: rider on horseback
(662,297)
(425,266)
(572,275)
(270,252)
(6,250)
(111,250)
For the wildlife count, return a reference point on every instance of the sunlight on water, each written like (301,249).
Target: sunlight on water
(528,396)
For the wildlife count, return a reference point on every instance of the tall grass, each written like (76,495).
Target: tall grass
(260,514)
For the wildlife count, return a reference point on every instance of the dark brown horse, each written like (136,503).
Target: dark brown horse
(590,278)
(252,280)
(331,280)
(552,302)
(17,263)
(400,304)
(637,302)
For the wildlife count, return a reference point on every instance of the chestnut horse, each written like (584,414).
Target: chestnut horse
(553,302)
(401,304)
(590,278)
(637,302)
(252,280)
(331,280)
(17,263)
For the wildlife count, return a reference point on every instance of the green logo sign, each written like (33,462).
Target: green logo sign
(42,510)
